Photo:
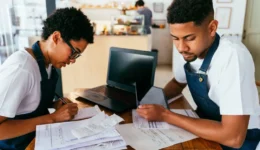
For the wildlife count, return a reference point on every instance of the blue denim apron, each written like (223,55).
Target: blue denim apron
(47,96)
(206,108)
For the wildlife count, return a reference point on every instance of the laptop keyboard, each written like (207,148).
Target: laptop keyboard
(91,95)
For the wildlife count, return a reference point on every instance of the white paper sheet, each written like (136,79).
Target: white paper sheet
(53,136)
(51,110)
(96,127)
(47,136)
(83,113)
(68,127)
(105,146)
(154,139)
(89,143)
(140,122)
(175,98)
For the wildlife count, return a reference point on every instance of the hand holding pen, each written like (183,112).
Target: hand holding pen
(64,112)
(61,99)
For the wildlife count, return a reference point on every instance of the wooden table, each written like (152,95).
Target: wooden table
(181,103)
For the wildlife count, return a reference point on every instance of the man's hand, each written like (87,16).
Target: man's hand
(152,112)
(57,104)
(65,112)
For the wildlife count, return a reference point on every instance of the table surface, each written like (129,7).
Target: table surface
(181,103)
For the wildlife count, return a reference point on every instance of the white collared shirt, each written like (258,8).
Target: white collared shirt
(231,80)
(20,84)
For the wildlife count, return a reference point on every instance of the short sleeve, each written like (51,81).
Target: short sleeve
(15,85)
(236,89)
(178,67)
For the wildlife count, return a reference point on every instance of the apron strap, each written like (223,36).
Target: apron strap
(205,65)
(40,59)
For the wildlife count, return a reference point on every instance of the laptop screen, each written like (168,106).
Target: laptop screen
(127,67)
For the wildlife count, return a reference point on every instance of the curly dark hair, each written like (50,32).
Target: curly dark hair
(183,11)
(71,23)
(139,3)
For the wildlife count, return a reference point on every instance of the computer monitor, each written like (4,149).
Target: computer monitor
(128,66)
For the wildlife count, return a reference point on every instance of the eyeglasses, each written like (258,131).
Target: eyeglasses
(74,53)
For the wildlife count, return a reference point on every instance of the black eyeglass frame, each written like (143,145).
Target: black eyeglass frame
(74,53)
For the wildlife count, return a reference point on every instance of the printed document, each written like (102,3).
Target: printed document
(153,139)
(140,122)
(60,136)
(96,127)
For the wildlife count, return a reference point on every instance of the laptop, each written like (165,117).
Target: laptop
(125,68)
(148,94)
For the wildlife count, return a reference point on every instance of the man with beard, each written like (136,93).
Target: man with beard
(219,74)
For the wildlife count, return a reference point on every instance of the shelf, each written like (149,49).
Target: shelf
(126,25)
(106,8)
(98,8)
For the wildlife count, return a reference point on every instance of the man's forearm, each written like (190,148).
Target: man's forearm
(173,88)
(14,128)
(207,129)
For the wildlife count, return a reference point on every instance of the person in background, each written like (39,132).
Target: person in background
(28,78)
(142,10)
(220,75)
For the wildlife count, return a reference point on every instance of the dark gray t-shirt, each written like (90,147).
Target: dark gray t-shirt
(147,18)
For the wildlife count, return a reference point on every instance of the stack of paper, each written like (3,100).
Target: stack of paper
(95,133)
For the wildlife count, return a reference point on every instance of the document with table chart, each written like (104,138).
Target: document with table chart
(142,123)
(78,134)
(153,139)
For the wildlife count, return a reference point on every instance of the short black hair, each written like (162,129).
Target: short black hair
(183,11)
(139,3)
(71,23)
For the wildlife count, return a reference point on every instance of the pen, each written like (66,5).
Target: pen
(60,98)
